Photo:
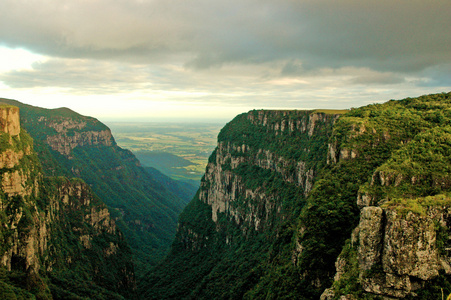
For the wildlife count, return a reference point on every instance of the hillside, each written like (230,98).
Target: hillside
(72,145)
(184,190)
(58,240)
(177,149)
(171,165)
(303,204)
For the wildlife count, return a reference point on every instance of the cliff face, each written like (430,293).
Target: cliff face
(9,120)
(50,226)
(400,247)
(64,144)
(393,253)
(255,186)
(69,144)
(223,186)
(19,177)
(65,130)
(299,205)
(405,246)
(16,149)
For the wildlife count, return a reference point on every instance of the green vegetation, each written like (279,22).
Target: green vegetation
(174,166)
(85,269)
(184,190)
(382,138)
(396,153)
(418,205)
(178,150)
(422,167)
(39,220)
(349,282)
(12,286)
(271,239)
(332,111)
(145,209)
(249,258)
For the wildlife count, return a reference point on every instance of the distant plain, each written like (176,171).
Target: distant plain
(178,150)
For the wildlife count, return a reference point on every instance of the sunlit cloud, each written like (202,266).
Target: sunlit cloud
(221,55)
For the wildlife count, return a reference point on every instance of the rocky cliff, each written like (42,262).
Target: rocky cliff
(64,143)
(337,205)
(255,185)
(224,185)
(400,248)
(69,144)
(51,227)
(20,179)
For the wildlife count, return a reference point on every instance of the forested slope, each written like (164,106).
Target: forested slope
(285,190)
(69,144)
(57,239)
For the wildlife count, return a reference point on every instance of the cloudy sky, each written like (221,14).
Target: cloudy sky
(212,59)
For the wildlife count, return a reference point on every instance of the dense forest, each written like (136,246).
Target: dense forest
(349,204)
(145,203)
(268,236)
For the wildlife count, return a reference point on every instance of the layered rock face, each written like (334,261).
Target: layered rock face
(16,157)
(255,185)
(71,145)
(396,253)
(20,179)
(405,246)
(38,215)
(400,247)
(225,186)
(70,133)
(286,192)
(9,120)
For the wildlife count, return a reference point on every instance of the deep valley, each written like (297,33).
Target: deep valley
(292,204)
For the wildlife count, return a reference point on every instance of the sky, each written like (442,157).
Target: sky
(154,60)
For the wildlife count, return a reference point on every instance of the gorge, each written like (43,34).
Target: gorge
(319,204)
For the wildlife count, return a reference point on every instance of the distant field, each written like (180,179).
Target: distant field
(179,150)
(332,111)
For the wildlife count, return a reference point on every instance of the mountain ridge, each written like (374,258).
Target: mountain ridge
(57,238)
(73,145)
(293,204)
(284,191)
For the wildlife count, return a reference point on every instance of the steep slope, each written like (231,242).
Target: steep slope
(57,239)
(185,190)
(243,217)
(69,144)
(284,192)
(400,247)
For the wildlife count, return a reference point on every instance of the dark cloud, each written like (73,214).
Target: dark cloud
(378,79)
(292,68)
(403,35)
(80,76)
(245,52)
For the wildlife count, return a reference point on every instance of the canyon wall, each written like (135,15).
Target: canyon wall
(320,204)
(54,226)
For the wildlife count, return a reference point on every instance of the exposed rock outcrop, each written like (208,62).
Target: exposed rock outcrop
(398,252)
(64,143)
(9,119)
(40,214)
(226,190)
(20,175)
(73,145)
(238,239)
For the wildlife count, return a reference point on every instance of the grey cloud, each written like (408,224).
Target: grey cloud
(327,88)
(437,76)
(404,35)
(243,52)
(80,76)
(292,68)
(378,78)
